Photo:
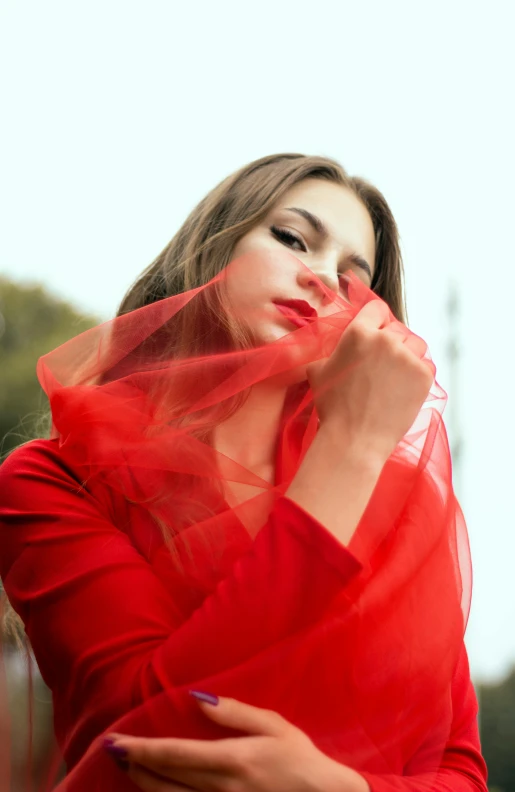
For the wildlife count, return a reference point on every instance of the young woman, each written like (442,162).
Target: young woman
(239,559)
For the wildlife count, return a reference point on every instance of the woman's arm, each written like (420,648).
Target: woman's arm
(272,753)
(277,755)
(105,630)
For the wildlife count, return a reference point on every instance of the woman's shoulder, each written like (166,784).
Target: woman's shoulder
(38,475)
(31,462)
(41,484)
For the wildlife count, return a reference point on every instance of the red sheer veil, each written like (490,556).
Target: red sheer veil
(134,403)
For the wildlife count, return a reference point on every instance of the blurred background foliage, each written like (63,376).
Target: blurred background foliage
(33,322)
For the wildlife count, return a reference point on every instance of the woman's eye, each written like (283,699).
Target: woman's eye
(344,285)
(287,238)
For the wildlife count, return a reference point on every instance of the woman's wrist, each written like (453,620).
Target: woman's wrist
(366,450)
(342,778)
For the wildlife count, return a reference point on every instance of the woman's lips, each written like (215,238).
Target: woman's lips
(293,316)
(301,307)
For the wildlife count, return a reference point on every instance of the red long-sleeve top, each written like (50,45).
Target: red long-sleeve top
(112,625)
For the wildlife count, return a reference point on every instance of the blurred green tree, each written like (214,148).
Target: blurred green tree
(498,732)
(32,322)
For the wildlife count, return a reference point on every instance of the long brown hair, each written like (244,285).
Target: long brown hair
(203,245)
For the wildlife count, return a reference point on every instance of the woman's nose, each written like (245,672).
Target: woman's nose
(326,283)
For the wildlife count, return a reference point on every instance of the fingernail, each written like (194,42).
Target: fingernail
(116,752)
(208,698)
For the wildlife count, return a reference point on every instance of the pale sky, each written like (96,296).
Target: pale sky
(118,116)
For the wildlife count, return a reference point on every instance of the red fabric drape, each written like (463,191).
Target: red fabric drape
(137,580)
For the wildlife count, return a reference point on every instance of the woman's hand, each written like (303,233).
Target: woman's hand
(373,384)
(275,756)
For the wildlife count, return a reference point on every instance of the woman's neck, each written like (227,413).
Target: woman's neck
(250,436)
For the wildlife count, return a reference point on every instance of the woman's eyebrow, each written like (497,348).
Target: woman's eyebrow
(312,219)
(362,264)
(320,228)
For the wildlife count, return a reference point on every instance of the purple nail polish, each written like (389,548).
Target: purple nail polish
(115,751)
(208,698)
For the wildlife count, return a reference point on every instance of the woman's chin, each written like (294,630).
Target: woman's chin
(290,354)
(286,379)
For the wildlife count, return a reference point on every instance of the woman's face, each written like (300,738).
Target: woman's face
(327,228)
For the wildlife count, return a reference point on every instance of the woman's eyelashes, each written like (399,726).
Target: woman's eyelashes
(288,238)
(343,279)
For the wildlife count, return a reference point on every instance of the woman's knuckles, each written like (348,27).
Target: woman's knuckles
(277,721)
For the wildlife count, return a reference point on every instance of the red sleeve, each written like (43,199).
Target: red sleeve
(462,768)
(101,622)
(104,626)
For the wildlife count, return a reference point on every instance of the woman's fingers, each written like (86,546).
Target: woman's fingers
(243,717)
(405,336)
(413,342)
(417,345)
(150,782)
(273,755)
(431,366)
(160,754)
(374,315)
(186,763)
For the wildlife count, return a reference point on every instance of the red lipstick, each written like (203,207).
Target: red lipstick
(298,312)
(301,307)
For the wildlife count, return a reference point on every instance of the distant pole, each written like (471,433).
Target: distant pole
(453,360)
(454,423)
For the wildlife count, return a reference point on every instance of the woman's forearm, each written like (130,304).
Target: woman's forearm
(334,483)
